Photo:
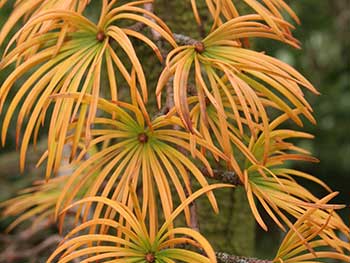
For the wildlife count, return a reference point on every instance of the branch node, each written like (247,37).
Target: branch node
(100,36)
(199,47)
(142,137)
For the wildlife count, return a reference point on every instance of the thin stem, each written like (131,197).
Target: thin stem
(223,176)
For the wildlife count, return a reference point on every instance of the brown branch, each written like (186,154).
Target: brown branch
(179,38)
(138,26)
(224,176)
(169,100)
(227,258)
(155,34)
(194,219)
(184,40)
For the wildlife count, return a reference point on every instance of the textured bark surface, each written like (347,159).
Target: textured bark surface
(226,258)
(233,229)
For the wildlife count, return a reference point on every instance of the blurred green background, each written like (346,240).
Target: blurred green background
(324,60)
